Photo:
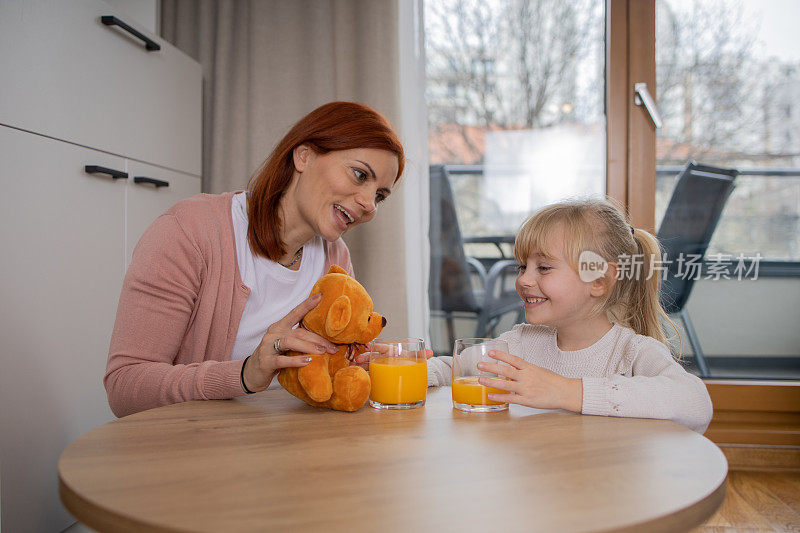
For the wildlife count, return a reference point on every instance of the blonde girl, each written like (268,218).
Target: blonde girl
(593,342)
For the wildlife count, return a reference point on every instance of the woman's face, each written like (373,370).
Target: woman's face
(337,191)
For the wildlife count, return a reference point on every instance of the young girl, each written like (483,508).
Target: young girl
(593,342)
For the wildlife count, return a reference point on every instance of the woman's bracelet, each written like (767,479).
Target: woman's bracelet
(248,391)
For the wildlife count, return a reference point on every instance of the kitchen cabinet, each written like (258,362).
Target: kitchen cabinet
(75,95)
(67,75)
(146,200)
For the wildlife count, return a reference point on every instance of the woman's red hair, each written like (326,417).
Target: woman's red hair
(331,127)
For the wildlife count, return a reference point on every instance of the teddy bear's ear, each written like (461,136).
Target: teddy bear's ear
(336,269)
(338,316)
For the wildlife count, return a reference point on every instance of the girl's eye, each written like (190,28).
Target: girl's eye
(521,268)
(379,197)
(360,174)
(544,268)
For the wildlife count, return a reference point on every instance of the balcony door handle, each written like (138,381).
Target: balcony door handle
(110,20)
(641,97)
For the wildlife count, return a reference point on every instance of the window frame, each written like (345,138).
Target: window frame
(630,134)
(631,181)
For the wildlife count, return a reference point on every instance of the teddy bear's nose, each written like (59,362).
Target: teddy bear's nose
(383,321)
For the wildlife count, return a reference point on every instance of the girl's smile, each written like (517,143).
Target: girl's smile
(533,301)
(552,291)
(554,294)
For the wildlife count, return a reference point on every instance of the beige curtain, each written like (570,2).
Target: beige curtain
(266,63)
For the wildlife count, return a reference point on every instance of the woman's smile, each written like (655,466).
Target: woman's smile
(343,217)
(345,213)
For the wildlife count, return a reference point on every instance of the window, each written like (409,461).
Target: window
(531,101)
(726,79)
(524,81)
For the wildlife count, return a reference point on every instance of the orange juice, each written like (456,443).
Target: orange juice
(398,380)
(468,391)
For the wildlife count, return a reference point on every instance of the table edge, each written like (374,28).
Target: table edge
(684,519)
(98,517)
(106,519)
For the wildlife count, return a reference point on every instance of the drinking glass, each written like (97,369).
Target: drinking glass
(398,372)
(468,394)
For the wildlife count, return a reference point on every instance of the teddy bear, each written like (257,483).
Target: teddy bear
(344,317)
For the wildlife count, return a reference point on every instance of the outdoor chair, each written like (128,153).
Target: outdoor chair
(458,283)
(689,221)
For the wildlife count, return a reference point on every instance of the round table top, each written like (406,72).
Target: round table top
(270,462)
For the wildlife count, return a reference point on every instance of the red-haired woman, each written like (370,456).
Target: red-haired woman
(210,275)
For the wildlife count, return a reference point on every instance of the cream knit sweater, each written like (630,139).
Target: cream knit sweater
(623,374)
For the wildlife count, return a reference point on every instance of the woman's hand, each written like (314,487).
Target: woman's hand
(266,361)
(531,385)
(381,350)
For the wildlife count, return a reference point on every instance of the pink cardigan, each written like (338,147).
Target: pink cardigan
(179,310)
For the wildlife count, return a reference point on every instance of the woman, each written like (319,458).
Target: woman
(209,275)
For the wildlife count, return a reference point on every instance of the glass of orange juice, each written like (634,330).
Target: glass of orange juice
(398,372)
(468,394)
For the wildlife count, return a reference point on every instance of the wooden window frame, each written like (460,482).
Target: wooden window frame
(757,423)
(630,134)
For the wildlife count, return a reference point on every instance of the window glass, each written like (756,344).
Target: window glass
(728,88)
(515,96)
(728,79)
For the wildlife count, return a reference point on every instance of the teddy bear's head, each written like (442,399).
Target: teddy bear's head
(344,316)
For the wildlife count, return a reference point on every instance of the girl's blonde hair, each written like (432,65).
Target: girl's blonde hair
(598,226)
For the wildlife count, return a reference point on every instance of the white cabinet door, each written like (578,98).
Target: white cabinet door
(151,191)
(65,74)
(61,231)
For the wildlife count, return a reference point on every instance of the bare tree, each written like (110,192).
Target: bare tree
(706,80)
(503,64)
(550,38)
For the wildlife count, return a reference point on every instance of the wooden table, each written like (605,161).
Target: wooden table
(270,463)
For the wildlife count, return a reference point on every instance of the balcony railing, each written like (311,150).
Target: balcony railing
(661,171)
(789,267)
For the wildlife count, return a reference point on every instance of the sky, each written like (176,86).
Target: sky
(778,34)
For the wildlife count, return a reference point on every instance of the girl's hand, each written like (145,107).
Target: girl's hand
(531,385)
(381,350)
(265,362)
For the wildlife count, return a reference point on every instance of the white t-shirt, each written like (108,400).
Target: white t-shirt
(274,289)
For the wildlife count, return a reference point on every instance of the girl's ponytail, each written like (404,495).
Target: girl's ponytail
(644,312)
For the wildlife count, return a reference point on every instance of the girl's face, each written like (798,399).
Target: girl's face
(340,190)
(553,293)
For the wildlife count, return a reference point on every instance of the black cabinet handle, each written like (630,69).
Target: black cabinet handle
(157,183)
(110,20)
(116,174)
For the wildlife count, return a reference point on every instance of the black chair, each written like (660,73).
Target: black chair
(689,221)
(458,283)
